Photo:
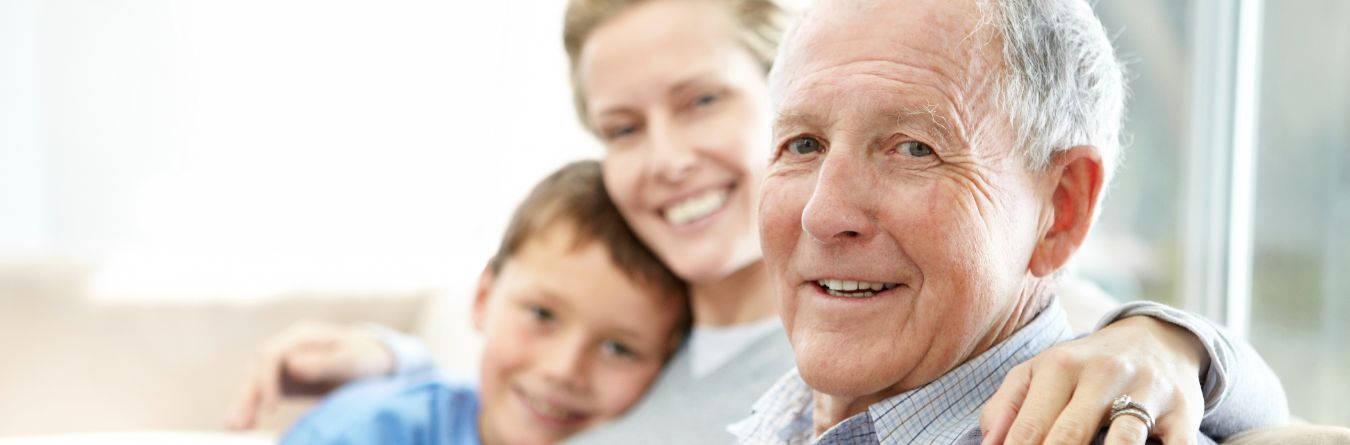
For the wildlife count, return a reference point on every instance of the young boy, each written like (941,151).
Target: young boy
(578,318)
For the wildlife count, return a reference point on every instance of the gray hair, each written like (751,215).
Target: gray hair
(1062,85)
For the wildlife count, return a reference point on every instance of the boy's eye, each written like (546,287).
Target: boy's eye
(916,149)
(540,313)
(617,349)
(803,145)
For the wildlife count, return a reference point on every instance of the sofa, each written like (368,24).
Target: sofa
(75,368)
(74,363)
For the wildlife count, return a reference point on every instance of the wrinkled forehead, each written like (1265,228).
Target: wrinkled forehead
(944,36)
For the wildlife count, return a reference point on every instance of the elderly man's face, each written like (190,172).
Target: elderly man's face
(896,217)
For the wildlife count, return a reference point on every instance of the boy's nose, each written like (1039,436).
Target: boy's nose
(565,363)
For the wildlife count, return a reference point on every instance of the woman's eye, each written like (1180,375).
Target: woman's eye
(916,149)
(540,313)
(804,146)
(617,349)
(620,131)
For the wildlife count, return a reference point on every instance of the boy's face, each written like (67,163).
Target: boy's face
(570,340)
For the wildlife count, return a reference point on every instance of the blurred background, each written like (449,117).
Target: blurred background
(181,179)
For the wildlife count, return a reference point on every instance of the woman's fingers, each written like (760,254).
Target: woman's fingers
(306,355)
(267,376)
(1127,430)
(262,386)
(1182,422)
(243,411)
(998,413)
(1053,379)
(1100,382)
(1176,418)
(1177,436)
(261,390)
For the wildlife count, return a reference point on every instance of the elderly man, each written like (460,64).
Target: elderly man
(935,163)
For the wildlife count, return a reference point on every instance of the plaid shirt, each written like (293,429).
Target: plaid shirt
(945,411)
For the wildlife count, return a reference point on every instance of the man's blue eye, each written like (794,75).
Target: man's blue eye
(804,146)
(916,149)
(704,100)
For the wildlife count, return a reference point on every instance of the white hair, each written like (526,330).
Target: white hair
(1062,85)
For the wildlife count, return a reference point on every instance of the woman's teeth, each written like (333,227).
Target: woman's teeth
(696,206)
(854,289)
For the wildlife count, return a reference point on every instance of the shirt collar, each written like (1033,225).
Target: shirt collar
(945,410)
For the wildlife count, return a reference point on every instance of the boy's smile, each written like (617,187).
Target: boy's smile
(571,340)
(548,410)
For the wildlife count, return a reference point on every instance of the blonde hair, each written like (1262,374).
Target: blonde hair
(759,26)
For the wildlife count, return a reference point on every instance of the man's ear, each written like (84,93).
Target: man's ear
(480,298)
(1078,177)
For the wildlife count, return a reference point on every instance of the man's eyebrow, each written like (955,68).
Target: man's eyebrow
(926,116)
(796,119)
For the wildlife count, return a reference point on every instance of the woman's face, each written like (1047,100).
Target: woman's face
(682,109)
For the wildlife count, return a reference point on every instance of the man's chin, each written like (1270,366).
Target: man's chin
(845,377)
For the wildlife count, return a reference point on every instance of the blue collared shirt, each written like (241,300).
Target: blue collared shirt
(945,411)
(420,409)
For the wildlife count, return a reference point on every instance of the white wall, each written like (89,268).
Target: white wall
(24,195)
(242,148)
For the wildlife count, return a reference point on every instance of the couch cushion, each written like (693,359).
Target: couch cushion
(76,365)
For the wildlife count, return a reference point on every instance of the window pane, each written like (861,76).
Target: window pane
(1134,252)
(1301,264)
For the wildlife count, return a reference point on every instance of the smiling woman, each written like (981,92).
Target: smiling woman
(680,126)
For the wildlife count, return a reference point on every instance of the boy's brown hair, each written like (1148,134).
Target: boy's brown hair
(575,194)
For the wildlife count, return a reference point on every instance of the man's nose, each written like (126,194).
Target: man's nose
(837,209)
(673,153)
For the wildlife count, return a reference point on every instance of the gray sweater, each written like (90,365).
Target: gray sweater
(682,409)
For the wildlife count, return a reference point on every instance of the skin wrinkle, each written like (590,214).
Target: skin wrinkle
(947,137)
(928,109)
(978,176)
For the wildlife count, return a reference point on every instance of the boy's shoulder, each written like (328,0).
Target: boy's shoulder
(423,408)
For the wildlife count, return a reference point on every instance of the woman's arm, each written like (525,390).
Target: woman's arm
(1241,392)
(322,355)
(1188,374)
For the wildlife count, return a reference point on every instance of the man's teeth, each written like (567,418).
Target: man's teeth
(696,207)
(848,288)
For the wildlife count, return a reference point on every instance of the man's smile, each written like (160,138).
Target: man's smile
(854,289)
